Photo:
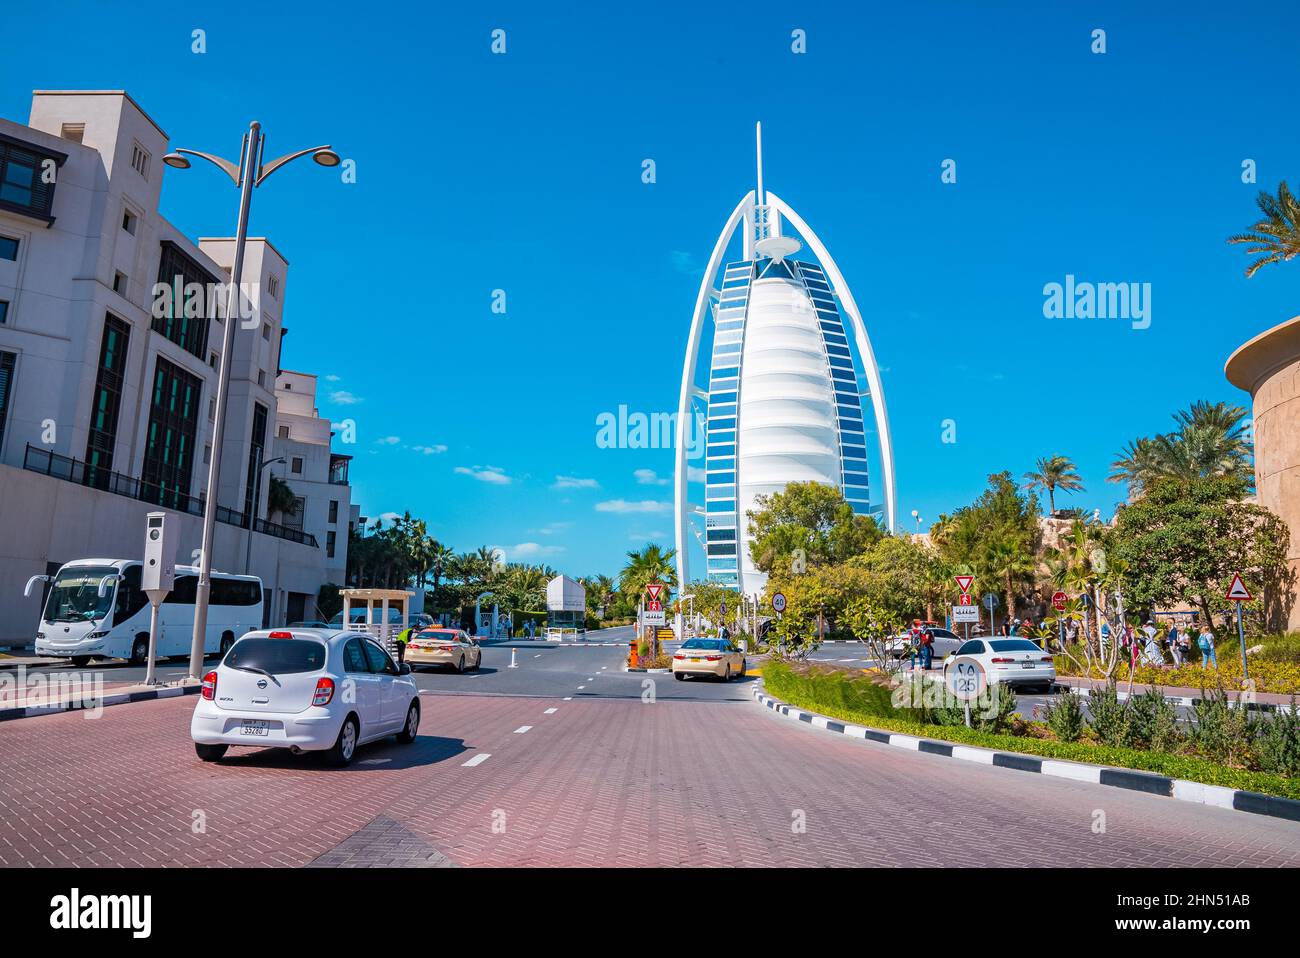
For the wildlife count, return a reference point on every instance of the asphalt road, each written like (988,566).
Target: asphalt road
(567,760)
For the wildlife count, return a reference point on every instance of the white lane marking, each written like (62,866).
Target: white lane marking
(522,729)
(550,711)
(568,698)
(478,759)
(591,678)
(374,761)
(538,655)
(602,668)
(581,687)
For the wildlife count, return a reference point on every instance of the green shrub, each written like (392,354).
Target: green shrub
(995,710)
(820,687)
(1065,717)
(1278,742)
(1220,732)
(1109,718)
(1152,722)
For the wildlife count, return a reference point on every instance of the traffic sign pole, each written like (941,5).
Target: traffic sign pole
(1241,637)
(1238,593)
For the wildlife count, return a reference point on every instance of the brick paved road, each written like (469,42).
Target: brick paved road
(602,780)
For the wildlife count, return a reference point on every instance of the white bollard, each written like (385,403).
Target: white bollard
(513,665)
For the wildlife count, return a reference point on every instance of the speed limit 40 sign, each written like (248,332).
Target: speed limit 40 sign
(778,602)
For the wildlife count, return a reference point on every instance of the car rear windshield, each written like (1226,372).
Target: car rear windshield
(712,645)
(1014,645)
(277,656)
(437,635)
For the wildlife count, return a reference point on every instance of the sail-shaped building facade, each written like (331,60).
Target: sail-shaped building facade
(791,380)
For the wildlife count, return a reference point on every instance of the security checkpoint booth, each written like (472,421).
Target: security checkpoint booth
(566,609)
(381,613)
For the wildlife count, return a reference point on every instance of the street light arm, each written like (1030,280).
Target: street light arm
(264,171)
(230,169)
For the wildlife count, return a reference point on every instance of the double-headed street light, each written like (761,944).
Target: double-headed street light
(250,172)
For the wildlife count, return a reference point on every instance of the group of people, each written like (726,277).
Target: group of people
(921,644)
(1147,646)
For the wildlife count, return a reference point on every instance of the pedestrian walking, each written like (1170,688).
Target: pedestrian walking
(927,648)
(1206,642)
(1175,645)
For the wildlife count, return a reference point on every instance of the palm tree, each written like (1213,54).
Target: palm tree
(1007,563)
(1052,473)
(1277,235)
(1210,441)
(441,558)
(650,564)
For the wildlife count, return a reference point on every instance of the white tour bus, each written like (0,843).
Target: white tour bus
(96,609)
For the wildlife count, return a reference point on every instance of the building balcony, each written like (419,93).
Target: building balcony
(339,469)
(36,459)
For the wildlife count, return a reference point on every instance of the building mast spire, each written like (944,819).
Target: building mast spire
(760,199)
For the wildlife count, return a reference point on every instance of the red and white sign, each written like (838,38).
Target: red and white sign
(1059,600)
(1237,592)
(964,600)
(654,606)
(964,583)
(654,588)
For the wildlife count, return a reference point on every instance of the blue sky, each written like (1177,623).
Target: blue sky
(522,172)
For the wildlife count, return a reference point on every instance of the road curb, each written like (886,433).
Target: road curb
(1128,778)
(1187,701)
(115,698)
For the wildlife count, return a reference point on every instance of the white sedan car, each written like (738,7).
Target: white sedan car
(306,690)
(1009,661)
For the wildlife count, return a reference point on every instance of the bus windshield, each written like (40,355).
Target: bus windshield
(74,597)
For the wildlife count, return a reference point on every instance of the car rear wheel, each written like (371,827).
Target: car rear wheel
(412,727)
(210,753)
(478,662)
(139,650)
(345,746)
(744,666)
(460,664)
(227,640)
(679,676)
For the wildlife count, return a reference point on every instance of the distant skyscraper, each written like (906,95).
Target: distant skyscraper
(790,370)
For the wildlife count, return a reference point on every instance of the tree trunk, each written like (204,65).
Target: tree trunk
(1011,604)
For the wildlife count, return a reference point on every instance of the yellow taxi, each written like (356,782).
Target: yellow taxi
(441,646)
(719,658)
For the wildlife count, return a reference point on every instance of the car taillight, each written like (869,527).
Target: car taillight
(714,658)
(210,686)
(679,656)
(1001,660)
(324,692)
(280,635)
(1045,658)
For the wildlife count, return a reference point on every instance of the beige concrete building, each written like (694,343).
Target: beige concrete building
(1268,367)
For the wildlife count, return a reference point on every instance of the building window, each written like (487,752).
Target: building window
(129,221)
(334,511)
(261,378)
(282,432)
(107,400)
(212,409)
(119,283)
(256,454)
(294,521)
(140,160)
(184,323)
(8,248)
(76,132)
(213,359)
(4,311)
(207,455)
(266,331)
(25,187)
(6,379)
(296,468)
(169,443)
(330,538)
(273,286)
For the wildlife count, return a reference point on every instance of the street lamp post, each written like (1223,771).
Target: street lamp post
(249,173)
(257,497)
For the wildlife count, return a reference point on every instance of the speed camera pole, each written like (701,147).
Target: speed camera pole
(250,172)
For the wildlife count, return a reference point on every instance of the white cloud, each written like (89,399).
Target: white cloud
(331,378)
(430,450)
(527,550)
(573,482)
(553,528)
(684,262)
(694,474)
(493,474)
(388,440)
(646,536)
(623,506)
(648,477)
(341,397)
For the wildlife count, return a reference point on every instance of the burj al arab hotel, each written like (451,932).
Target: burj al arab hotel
(789,378)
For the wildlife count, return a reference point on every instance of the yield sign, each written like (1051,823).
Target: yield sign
(1237,592)
(654,588)
(964,583)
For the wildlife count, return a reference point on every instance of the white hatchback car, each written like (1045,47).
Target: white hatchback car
(1009,661)
(306,690)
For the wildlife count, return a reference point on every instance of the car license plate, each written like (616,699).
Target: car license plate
(1028,665)
(253,727)
(697,660)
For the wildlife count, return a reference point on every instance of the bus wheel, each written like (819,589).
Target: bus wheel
(227,640)
(81,661)
(140,649)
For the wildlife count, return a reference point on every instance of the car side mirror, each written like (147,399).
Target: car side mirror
(406,668)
